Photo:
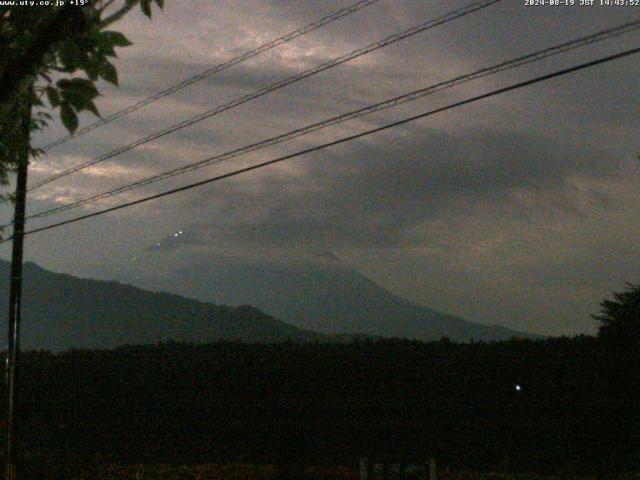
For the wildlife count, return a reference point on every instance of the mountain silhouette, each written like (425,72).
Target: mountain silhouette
(324,295)
(61,311)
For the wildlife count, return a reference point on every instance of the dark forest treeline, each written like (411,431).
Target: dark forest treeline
(577,406)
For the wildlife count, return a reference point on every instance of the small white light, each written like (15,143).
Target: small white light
(518,388)
(180,232)
(175,234)
(158,244)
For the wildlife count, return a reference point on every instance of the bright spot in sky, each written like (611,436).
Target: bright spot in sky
(174,235)
(518,388)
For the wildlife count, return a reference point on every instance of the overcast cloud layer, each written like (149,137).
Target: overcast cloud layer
(521,209)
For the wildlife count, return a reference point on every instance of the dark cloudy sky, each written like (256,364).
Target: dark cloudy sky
(521,209)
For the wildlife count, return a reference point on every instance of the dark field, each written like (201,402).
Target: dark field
(576,410)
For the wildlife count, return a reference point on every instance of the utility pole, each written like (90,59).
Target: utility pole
(15,291)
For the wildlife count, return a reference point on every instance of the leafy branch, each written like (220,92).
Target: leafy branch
(49,50)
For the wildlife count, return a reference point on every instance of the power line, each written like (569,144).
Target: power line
(509,88)
(216,69)
(386,104)
(471,8)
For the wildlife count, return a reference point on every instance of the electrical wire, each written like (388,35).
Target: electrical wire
(462,12)
(234,173)
(216,69)
(383,105)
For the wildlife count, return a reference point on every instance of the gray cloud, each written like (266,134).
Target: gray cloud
(374,193)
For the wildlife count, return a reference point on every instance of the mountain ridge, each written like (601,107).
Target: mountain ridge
(328,297)
(60,311)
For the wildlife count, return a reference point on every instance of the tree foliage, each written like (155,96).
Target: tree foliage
(620,318)
(62,51)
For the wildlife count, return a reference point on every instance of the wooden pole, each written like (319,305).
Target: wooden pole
(15,291)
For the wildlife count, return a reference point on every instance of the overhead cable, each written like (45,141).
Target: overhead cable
(216,69)
(380,106)
(234,173)
(449,17)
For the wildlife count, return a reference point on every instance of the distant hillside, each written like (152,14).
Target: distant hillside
(62,311)
(326,296)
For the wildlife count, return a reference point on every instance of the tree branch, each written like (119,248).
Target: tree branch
(106,5)
(114,17)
